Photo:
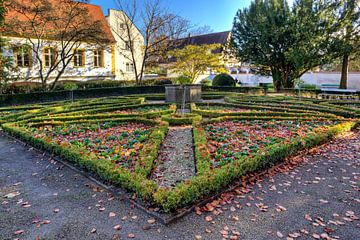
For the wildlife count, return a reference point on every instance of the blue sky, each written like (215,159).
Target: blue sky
(218,14)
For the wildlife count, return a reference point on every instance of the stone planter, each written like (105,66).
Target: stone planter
(175,93)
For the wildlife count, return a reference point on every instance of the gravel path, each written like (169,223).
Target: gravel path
(55,203)
(176,157)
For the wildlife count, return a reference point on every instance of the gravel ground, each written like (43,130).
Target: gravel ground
(53,202)
(176,157)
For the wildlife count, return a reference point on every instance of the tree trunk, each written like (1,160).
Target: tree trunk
(344,72)
(276,75)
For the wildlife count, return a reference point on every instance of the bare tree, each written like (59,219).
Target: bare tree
(157,27)
(61,25)
(206,29)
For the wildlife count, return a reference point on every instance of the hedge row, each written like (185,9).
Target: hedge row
(273,113)
(179,119)
(95,114)
(216,180)
(71,108)
(309,106)
(106,170)
(76,94)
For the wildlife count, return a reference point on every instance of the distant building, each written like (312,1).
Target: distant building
(222,38)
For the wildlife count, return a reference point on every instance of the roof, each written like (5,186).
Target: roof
(211,38)
(95,13)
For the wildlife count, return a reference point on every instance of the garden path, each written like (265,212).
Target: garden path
(176,161)
(46,200)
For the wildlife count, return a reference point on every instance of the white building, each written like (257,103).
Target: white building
(127,35)
(105,61)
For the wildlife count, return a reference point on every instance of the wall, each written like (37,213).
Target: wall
(88,72)
(122,55)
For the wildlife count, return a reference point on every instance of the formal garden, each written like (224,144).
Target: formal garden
(131,141)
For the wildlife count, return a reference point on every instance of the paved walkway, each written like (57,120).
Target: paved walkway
(321,198)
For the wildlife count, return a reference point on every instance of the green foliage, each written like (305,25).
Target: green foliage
(23,122)
(183,80)
(192,61)
(70,86)
(179,119)
(285,43)
(223,80)
(206,82)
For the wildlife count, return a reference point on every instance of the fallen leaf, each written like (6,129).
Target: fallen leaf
(151,221)
(12,195)
(18,232)
(117,227)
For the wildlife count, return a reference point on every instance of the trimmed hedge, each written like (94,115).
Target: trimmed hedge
(269,113)
(223,80)
(216,180)
(77,94)
(178,119)
(208,180)
(106,170)
(289,105)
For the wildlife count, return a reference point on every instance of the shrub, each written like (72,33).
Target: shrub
(206,82)
(223,80)
(162,82)
(183,80)
(70,86)
(308,86)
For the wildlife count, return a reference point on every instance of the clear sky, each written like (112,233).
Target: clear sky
(218,14)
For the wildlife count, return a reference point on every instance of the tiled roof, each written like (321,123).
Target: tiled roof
(95,13)
(211,38)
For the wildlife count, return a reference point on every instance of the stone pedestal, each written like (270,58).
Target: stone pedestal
(175,93)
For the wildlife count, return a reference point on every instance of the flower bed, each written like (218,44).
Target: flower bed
(115,139)
(120,144)
(233,140)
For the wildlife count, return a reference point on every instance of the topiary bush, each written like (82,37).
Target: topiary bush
(223,80)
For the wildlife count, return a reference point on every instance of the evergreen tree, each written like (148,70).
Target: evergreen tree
(285,43)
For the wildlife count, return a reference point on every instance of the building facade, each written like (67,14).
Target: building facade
(89,60)
(124,32)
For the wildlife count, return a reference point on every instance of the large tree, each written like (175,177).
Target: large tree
(349,16)
(157,25)
(192,61)
(62,25)
(282,42)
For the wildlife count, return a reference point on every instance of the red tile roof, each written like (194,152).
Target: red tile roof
(95,13)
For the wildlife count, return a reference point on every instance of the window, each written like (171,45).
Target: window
(50,56)
(79,58)
(130,67)
(127,46)
(122,25)
(22,56)
(98,58)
